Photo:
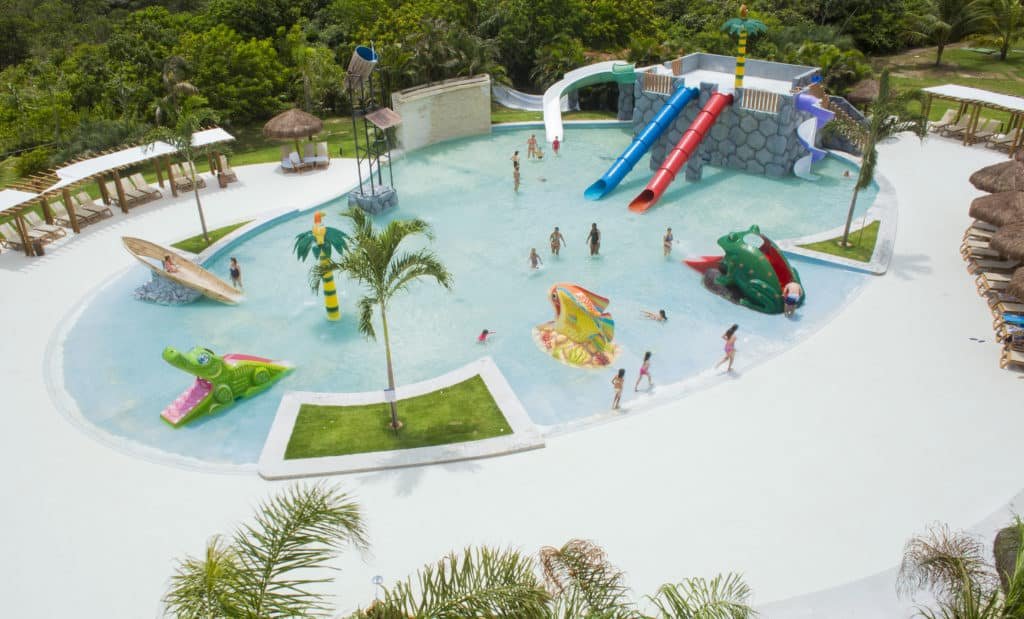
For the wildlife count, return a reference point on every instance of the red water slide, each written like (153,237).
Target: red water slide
(677,158)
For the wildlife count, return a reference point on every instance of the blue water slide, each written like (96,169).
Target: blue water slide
(641,143)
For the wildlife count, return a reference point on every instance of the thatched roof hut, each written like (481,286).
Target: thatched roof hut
(1009,241)
(864,91)
(292,124)
(1016,287)
(999,209)
(1005,176)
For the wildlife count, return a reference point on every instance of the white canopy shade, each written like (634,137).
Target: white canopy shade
(13,197)
(210,136)
(112,161)
(967,93)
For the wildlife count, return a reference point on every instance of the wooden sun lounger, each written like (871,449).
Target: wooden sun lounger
(63,218)
(942,123)
(958,129)
(992,266)
(12,239)
(133,197)
(1004,142)
(986,131)
(225,169)
(83,202)
(36,221)
(139,182)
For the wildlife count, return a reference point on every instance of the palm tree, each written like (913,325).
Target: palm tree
(583,583)
(176,88)
(952,566)
(322,240)
(742,27)
(1005,20)
(373,260)
(264,570)
(189,120)
(945,22)
(887,116)
(556,58)
(696,598)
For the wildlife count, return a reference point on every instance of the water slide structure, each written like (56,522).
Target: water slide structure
(518,100)
(599,73)
(641,143)
(681,152)
(807,132)
(189,274)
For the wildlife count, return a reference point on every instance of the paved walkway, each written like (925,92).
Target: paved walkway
(805,473)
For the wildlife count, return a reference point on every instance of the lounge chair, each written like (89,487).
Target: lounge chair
(986,131)
(958,128)
(37,223)
(286,161)
(1011,357)
(322,158)
(297,163)
(225,169)
(132,196)
(85,204)
(140,184)
(945,121)
(992,266)
(309,153)
(1004,141)
(988,283)
(12,240)
(183,177)
(63,218)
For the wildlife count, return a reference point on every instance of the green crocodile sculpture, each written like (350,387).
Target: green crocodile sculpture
(219,381)
(753,276)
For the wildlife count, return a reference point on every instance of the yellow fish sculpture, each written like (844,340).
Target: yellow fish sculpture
(581,333)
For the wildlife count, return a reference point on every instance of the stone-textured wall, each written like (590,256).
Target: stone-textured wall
(442,111)
(756,142)
(625,109)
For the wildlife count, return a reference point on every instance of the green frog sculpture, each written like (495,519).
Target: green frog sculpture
(219,381)
(753,276)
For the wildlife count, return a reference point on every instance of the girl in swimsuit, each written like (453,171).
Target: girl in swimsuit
(661,316)
(482,338)
(169,265)
(666,242)
(617,383)
(236,274)
(730,347)
(645,370)
(535,260)
(594,240)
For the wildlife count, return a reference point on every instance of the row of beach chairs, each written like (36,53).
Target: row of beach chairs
(314,156)
(988,130)
(992,273)
(88,211)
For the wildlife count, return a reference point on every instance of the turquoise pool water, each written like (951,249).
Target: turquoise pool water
(484,232)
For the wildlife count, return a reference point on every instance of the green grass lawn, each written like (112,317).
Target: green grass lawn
(196,244)
(501,114)
(864,244)
(463,412)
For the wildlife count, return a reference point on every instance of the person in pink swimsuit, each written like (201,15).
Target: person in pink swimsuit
(482,338)
(645,370)
(730,347)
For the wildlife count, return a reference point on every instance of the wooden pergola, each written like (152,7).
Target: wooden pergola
(82,170)
(972,101)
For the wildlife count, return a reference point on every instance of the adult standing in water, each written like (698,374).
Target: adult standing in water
(666,242)
(515,160)
(531,146)
(594,240)
(730,347)
(556,239)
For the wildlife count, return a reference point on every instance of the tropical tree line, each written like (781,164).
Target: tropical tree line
(90,74)
(277,566)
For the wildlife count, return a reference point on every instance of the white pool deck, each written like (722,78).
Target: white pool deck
(727,81)
(807,473)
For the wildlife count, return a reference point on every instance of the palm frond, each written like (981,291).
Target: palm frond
(413,265)
(1014,582)
(299,530)
(304,243)
(201,588)
(944,562)
(479,582)
(583,582)
(722,597)
(366,307)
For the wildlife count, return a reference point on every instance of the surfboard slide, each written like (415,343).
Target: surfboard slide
(189,274)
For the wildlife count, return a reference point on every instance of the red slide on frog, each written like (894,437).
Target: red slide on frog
(679,155)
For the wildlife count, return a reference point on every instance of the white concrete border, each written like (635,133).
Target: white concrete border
(885,209)
(524,437)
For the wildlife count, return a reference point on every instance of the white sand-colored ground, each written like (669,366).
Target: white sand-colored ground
(805,473)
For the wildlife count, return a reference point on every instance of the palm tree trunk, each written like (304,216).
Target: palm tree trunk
(938,53)
(1005,48)
(330,291)
(849,215)
(199,205)
(741,58)
(395,424)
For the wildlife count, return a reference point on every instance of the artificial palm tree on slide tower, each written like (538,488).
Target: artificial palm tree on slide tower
(742,27)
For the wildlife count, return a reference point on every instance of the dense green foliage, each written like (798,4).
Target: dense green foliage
(80,75)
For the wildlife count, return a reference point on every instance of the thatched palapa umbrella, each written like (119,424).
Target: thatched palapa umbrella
(864,91)
(999,209)
(1005,176)
(293,124)
(1009,240)
(1016,287)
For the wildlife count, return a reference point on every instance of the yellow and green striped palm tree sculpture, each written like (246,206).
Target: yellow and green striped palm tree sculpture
(321,240)
(742,28)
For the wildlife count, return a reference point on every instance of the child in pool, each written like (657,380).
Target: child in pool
(661,316)
(169,265)
(730,347)
(535,260)
(645,370)
(482,338)
(617,382)
(236,274)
